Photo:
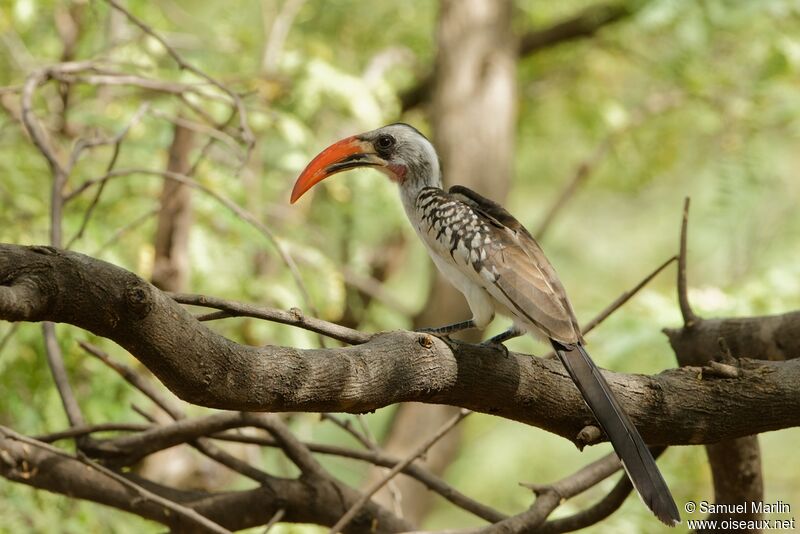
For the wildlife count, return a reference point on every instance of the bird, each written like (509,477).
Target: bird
(499,267)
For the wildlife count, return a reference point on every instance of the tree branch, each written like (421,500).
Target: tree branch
(41,466)
(42,283)
(585,24)
(24,459)
(414,470)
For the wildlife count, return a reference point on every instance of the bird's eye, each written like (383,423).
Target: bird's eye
(384,142)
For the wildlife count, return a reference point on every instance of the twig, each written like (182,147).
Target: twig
(598,511)
(155,439)
(147,84)
(32,124)
(216,132)
(247,134)
(206,150)
(237,210)
(136,380)
(619,301)
(122,230)
(720,370)
(689,317)
(188,514)
(116,141)
(549,496)
(42,142)
(160,437)
(206,447)
(293,317)
(276,517)
(415,471)
(181,510)
(585,23)
(417,452)
(581,175)
(56,363)
(367,440)
(625,297)
(77,431)
(347,426)
(581,480)
(372,444)
(592,515)
(294,448)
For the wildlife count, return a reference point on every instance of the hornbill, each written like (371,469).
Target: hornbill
(499,267)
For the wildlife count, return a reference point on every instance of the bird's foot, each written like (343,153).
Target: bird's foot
(443,335)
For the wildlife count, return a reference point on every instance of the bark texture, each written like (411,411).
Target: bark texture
(689,405)
(303,500)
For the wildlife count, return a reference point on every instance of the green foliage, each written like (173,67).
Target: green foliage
(729,140)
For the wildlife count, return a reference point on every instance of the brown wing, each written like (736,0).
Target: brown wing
(522,276)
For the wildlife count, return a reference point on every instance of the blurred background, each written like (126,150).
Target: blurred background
(590,121)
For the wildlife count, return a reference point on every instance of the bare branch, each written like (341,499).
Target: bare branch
(274,520)
(127,450)
(654,105)
(237,210)
(116,142)
(56,362)
(625,297)
(203,367)
(136,380)
(124,229)
(77,431)
(416,453)
(619,301)
(12,468)
(347,426)
(247,134)
(689,317)
(294,448)
(376,457)
(592,515)
(293,317)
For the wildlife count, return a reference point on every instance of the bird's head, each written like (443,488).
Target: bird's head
(397,150)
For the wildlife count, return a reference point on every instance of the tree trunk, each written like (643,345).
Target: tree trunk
(171,267)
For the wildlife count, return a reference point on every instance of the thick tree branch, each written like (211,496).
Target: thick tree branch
(25,460)
(767,337)
(44,467)
(735,463)
(673,407)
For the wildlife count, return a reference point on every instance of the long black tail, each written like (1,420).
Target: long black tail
(628,444)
